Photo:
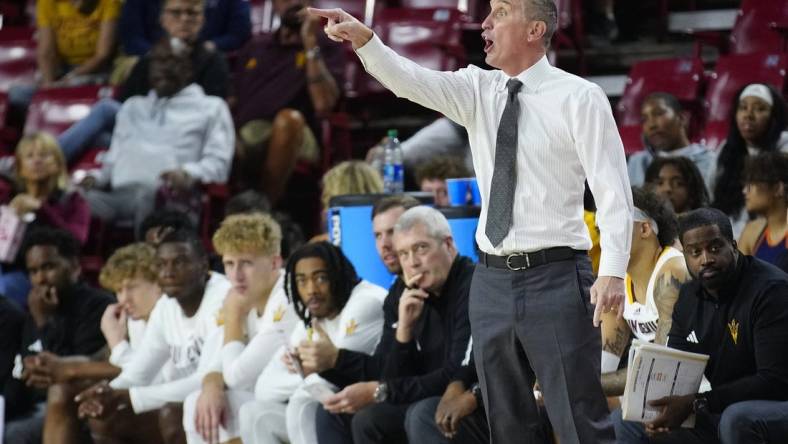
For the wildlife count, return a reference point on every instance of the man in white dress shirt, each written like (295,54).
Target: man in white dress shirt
(257,319)
(175,336)
(530,311)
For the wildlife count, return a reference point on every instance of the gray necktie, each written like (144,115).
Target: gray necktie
(504,180)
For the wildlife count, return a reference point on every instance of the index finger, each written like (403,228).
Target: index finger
(332,14)
(598,312)
(411,281)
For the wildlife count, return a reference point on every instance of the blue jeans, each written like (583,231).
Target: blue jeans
(746,422)
(94,130)
(754,422)
(420,423)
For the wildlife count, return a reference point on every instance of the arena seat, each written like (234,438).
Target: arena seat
(430,37)
(733,72)
(760,27)
(17,56)
(682,78)
(55,109)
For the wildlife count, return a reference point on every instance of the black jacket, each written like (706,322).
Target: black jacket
(744,331)
(74,330)
(424,366)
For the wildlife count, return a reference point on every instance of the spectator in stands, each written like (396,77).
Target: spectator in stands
(223,25)
(257,319)
(679,181)
(665,135)
(735,311)
(209,70)
(425,337)
(765,191)
(757,124)
(129,273)
(432,176)
(176,335)
(64,320)
(348,177)
(12,318)
(43,190)
(176,137)
(334,306)
(42,197)
(76,40)
(284,83)
(655,272)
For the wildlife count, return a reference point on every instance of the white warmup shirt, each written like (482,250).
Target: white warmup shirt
(241,363)
(172,339)
(282,410)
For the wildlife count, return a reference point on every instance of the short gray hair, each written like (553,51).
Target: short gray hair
(434,222)
(543,11)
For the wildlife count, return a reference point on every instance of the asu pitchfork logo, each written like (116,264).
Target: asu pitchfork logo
(733,328)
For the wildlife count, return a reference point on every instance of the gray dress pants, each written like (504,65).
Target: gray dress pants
(532,325)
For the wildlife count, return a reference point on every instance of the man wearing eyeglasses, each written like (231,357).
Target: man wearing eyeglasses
(425,339)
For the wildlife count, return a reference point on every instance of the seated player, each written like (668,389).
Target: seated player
(655,272)
(334,305)
(133,407)
(257,319)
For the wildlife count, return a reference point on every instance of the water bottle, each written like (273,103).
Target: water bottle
(393,171)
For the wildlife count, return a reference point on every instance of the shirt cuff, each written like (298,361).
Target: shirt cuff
(613,264)
(372,51)
(116,357)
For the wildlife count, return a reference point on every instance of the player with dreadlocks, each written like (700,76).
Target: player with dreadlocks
(335,305)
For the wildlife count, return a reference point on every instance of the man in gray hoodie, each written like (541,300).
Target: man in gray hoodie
(175,137)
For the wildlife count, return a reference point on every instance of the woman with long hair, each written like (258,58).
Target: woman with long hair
(757,125)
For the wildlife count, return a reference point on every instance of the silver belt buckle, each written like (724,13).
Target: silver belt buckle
(527,262)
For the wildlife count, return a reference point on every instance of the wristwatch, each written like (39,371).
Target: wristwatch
(476,389)
(381,393)
(700,403)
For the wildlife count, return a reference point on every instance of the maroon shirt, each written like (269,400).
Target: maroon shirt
(67,210)
(271,77)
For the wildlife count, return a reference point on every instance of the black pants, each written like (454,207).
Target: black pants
(537,325)
(377,423)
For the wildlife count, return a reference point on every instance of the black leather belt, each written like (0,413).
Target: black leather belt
(524,261)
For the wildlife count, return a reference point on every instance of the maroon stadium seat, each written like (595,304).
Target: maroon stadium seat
(760,26)
(682,78)
(632,137)
(17,56)
(733,72)
(55,109)
(430,37)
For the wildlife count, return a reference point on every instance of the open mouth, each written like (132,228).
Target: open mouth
(488,44)
(709,274)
